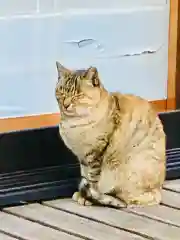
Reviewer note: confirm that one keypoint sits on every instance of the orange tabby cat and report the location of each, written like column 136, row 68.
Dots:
column 118, row 139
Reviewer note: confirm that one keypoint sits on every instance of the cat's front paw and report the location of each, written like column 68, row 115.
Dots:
column 77, row 197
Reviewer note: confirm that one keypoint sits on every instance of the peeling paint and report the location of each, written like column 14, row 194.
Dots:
column 138, row 53
column 85, row 42
column 90, row 41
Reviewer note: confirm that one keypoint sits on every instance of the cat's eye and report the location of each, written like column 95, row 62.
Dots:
column 60, row 88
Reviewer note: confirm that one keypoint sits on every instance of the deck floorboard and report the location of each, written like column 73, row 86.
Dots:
column 65, row 219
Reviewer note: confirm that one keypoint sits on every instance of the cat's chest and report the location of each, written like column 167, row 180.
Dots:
column 79, row 140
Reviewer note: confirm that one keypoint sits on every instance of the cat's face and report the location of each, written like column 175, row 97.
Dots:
column 77, row 91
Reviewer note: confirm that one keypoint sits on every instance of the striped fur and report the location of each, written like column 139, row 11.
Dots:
column 118, row 139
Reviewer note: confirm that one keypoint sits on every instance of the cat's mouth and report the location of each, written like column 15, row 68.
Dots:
column 76, row 111
column 69, row 110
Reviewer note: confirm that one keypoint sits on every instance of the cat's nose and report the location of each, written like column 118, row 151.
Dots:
column 67, row 103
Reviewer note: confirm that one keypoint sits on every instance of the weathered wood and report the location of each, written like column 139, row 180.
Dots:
column 72, row 223
column 121, row 219
column 160, row 213
column 171, row 199
column 173, row 56
column 6, row 237
column 173, row 185
column 65, row 219
column 28, row 230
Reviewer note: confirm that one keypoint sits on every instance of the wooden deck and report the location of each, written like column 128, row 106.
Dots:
column 63, row 219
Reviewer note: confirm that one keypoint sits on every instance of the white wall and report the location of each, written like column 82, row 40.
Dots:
column 34, row 34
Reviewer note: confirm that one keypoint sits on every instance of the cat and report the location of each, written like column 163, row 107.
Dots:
column 118, row 139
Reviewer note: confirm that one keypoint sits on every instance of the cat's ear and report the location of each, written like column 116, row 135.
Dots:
column 61, row 69
column 92, row 75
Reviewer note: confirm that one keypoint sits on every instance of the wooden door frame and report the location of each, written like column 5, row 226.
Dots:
column 173, row 86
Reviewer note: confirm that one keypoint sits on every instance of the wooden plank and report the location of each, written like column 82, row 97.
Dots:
column 29, row 122
column 173, row 185
column 72, row 223
column 160, row 105
column 28, row 230
column 161, row 213
column 6, row 237
column 171, row 199
column 172, row 54
column 121, row 219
